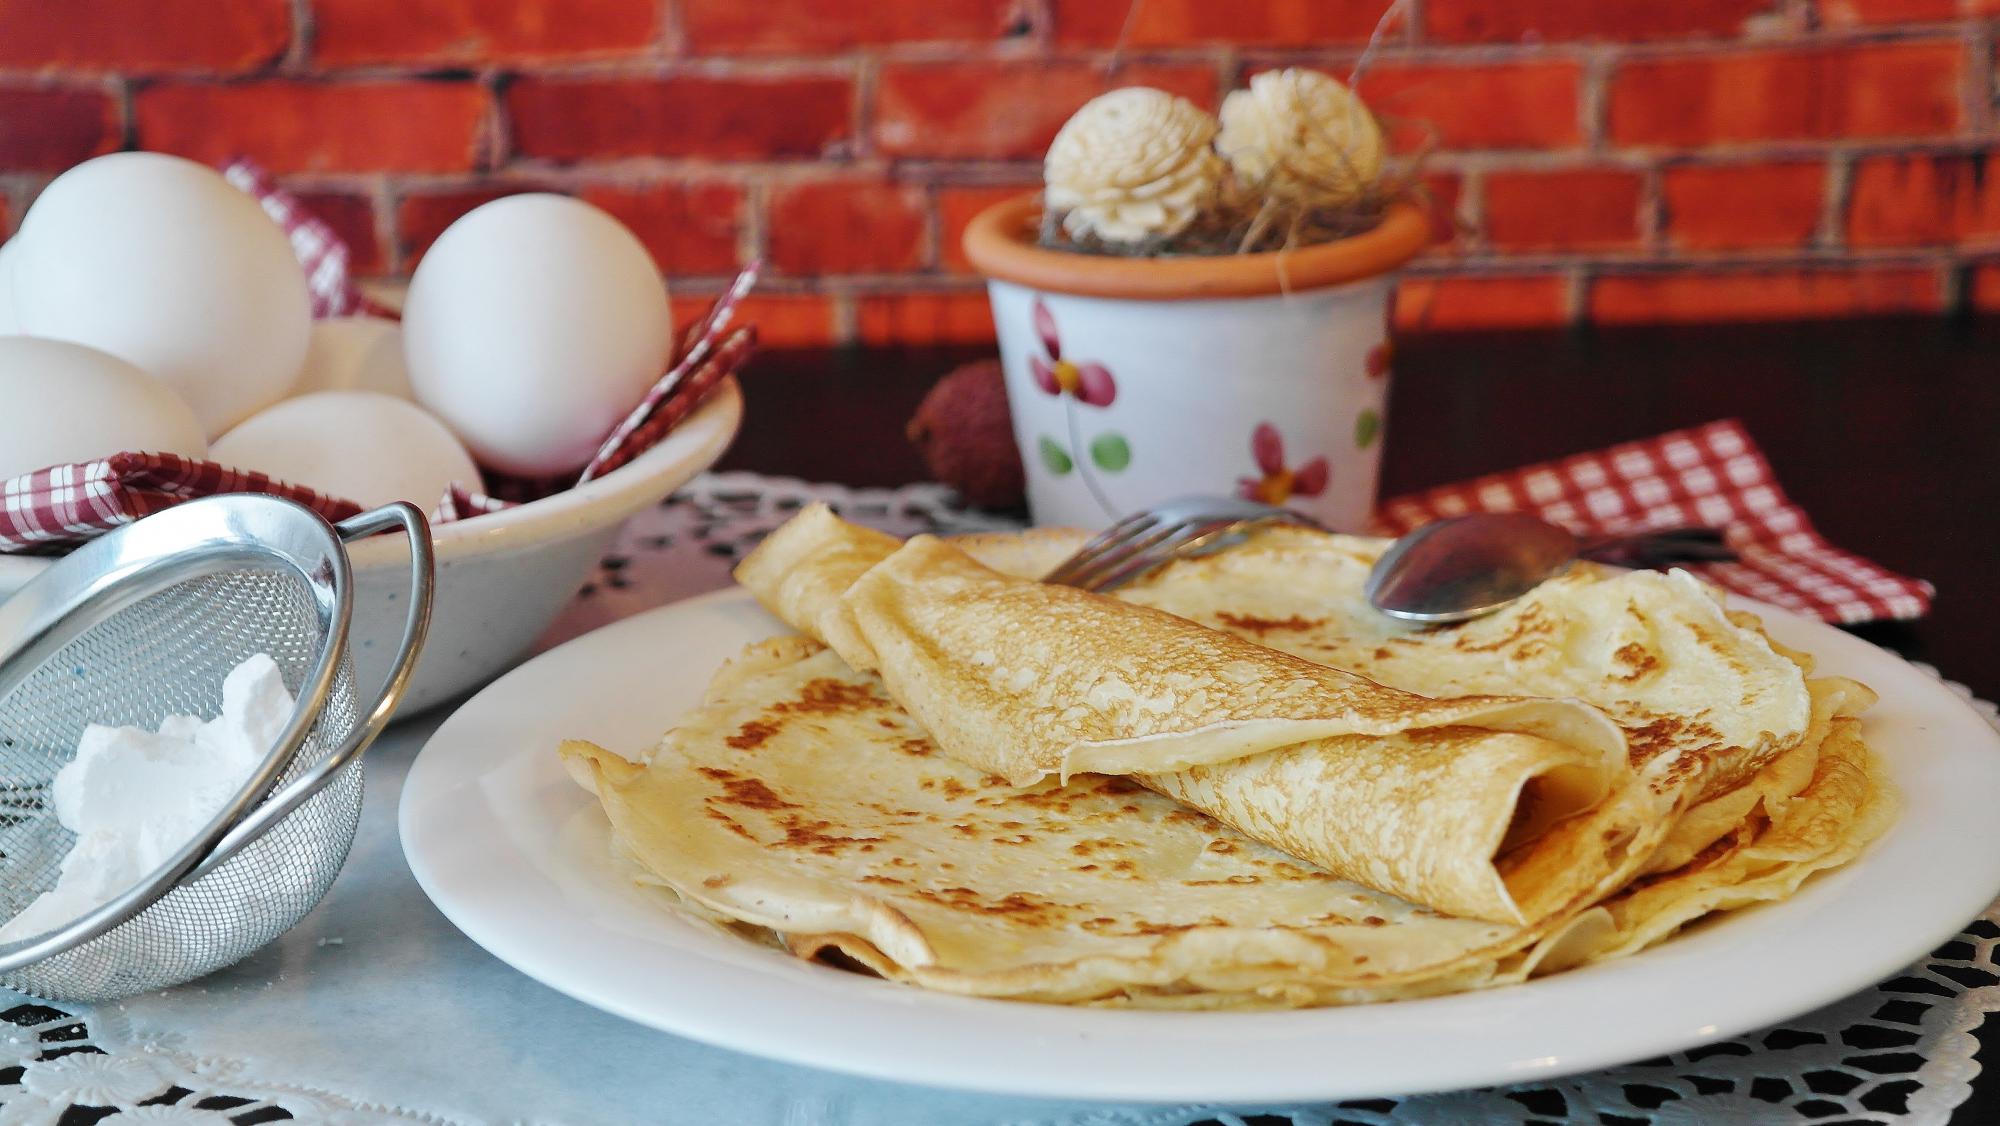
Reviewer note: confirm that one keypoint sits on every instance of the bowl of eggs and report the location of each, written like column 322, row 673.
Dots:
column 146, row 304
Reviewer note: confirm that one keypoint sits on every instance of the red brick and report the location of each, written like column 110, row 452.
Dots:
column 1440, row 196
column 1445, row 304
column 1763, row 295
column 956, row 207
column 143, row 36
column 1880, row 90
column 1243, row 23
column 1005, row 109
column 1850, row 13
column 347, row 32
column 1572, row 209
column 689, row 228
column 352, row 217
column 570, row 119
column 916, row 319
column 783, row 320
column 1985, row 287
column 1500, row 21
column 299, row 127
column 846, row 227
column 809, row 26
column 51, row 128
column 1499, row 106
column 1741, row 206
column 1923, row 200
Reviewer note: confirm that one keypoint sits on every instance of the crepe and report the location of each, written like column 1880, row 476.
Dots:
column 799, row 798
column 802, row 805
column 1414, row 796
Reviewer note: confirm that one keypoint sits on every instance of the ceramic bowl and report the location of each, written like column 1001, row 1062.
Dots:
column 504, row 577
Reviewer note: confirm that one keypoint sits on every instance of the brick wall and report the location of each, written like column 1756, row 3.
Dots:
column 1612, row 160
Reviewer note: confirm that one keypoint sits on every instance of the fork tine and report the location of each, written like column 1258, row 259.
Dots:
column 1146, row 540
column 1157, row 555
column 1099, row 543
column 1088, row 576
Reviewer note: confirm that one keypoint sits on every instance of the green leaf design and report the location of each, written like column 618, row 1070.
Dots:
column 1110, row 451
column 1367, row 428
column 1054, row 456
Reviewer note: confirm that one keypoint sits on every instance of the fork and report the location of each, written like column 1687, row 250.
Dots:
column 1154, row 537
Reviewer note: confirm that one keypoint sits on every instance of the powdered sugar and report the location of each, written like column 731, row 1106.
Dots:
column 135, row 797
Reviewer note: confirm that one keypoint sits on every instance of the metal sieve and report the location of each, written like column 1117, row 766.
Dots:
column 146, row 622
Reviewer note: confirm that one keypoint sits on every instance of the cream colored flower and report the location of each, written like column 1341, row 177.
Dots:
column 1301, row 137
column 1133, row 164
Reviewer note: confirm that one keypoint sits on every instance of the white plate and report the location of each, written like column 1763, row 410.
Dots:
column 515, row 855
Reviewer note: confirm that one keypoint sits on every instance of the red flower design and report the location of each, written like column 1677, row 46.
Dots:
column 1278, row 483
column 1086, row 382
column 1378, row 361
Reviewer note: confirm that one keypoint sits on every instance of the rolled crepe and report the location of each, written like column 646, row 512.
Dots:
column 1448, row 803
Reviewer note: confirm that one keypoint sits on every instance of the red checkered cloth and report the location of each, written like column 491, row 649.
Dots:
column 1712, row 475
column 708, row 359
column 67, row 504
column 318, row 249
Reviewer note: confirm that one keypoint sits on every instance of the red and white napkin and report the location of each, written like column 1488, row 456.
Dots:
column 64, row 505
column 1712, row 475
column 321, row 252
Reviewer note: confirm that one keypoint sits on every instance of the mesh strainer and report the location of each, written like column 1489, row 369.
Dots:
column 144, row 623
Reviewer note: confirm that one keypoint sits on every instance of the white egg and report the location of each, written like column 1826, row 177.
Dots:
column 159, row 261
column 363, row 446
column 355, row 354
column 10, row 321
column 533, row 325
column 67, row 403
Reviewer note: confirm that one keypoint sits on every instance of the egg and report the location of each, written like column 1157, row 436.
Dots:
column 355, row 354
column 68, row 403
column 363, row 446
column 533, row 325
column 161, row 262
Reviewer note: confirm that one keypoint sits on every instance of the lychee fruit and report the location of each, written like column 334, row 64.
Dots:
column 965, row 435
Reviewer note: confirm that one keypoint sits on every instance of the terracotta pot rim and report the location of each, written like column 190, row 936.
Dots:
column 1000, row 242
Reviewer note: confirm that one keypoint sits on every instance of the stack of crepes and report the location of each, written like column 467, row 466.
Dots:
column 1233, row 784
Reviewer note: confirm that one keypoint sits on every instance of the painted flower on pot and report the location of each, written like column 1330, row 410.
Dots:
column 1368, row 424
column 1090, row 384
column 1377, row 362
column 1280, row 482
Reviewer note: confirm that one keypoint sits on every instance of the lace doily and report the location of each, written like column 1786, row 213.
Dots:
column 1901, row 1051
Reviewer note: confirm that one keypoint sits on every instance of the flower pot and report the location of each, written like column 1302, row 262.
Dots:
column 1134, row 380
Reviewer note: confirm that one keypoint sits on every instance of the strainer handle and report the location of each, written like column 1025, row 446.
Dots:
column 423, row 576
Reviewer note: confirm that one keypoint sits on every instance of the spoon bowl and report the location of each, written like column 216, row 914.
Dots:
column 1467, row 566
column 1464, row 567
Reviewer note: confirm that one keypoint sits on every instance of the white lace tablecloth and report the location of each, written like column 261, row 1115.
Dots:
column 374, row 1009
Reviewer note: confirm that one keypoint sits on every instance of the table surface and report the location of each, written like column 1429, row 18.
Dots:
column 1884, row 431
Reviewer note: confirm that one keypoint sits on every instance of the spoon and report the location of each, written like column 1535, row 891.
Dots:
column 1468, row 566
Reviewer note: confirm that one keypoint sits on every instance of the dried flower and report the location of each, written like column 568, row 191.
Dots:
column 1301, row 138
column 1132, row 165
